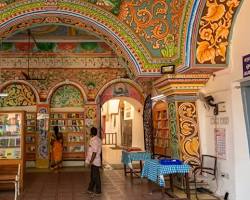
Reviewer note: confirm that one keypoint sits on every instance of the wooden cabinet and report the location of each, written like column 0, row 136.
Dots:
column 71, row 124
column 30, row 137
column 161, row 129
column 12, row 140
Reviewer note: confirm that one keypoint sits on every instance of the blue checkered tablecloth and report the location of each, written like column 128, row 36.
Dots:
column 155, row 172
column 128, row 157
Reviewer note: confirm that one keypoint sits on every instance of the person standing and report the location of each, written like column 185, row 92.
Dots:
column 57, row 149
column 94, row 160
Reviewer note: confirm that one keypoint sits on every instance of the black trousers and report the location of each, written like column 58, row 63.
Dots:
column 95, row 179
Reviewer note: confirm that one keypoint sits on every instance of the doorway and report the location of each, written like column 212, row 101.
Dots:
column 122, row 128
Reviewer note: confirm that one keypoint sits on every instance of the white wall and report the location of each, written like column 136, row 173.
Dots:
column 113, row 156
column 222, row 87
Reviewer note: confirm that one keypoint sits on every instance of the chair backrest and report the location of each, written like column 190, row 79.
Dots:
column 209, row 165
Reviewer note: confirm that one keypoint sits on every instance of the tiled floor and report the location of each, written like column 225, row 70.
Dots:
column 68, row 185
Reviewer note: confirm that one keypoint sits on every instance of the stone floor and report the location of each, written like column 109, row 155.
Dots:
column 72, row 185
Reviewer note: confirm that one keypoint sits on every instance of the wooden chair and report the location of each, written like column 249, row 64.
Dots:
column 11, row 174
column 204, row 173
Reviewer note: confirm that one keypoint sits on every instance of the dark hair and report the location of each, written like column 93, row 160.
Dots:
column 57, row 133
column 56, row 129
column 93, row 131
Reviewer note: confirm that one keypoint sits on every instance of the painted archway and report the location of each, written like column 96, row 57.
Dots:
column 141, row 29
column 83, row 15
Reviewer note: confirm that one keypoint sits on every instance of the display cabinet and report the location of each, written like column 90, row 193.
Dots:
column 161, row 130
column 11, row 139
column 30, row 136
column 71, row 124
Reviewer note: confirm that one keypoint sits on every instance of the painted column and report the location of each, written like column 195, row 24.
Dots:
column 181, row 92
column 42, row 154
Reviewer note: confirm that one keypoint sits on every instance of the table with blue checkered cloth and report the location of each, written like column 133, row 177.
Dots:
column 128, row 157
column 155, row 172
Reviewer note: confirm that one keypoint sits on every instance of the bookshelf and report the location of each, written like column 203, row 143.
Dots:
column 161, row 130
column 71, row 124
column 30, row 137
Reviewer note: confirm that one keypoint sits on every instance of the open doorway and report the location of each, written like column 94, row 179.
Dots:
column 122, row 128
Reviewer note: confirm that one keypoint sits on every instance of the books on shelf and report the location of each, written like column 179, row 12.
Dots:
column 76, row 148
column 75, row 138
column 10, row 141
column 161, row 136
column 30, row 139
column 72, row 125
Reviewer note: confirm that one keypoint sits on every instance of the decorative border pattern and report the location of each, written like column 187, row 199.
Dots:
column 148, row 125
column 91, row 80
column 189, row 138
column 173, row 130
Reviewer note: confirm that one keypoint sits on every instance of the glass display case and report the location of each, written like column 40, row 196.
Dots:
column 11, row 140
column 11, row 126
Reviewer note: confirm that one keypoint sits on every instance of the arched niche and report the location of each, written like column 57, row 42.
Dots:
column 19, row 94
column 66, row 95
column 120, row 88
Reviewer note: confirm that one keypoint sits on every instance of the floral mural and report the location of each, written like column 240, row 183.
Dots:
column 67, row 96
column 18, row 95
column 214, row 30
column 158, row 23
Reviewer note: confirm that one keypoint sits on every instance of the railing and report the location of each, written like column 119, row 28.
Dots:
column 109, row 139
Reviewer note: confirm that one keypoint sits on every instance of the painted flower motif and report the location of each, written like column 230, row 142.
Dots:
column 222, row 32
column 221, row 50
column 206, row 34
column 215, row 12
column 192, row 146
column 233, row 3
column 205, row 52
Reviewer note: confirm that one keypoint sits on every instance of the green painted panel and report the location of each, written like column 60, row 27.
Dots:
column 67, row 96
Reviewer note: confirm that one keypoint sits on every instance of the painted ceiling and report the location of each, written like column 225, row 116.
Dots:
column 194, row 35
column 54, row 39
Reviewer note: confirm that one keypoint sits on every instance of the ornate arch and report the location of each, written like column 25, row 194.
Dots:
column 20, row 93
column 61, row 84
column 80, row 14
column 140, row 97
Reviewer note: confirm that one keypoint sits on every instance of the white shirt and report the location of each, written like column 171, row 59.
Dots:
column 95, row 145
